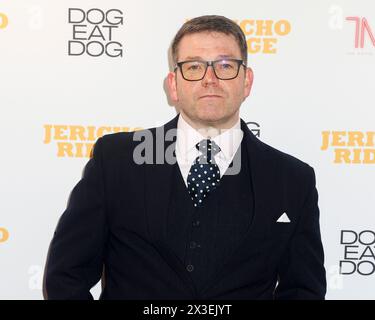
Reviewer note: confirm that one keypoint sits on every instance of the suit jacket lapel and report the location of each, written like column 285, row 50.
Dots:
column 262, row 171
column 157, row 186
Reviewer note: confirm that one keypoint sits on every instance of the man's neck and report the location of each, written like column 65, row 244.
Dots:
column 210, row 130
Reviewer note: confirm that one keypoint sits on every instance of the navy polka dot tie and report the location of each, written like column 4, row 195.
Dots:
column 204, row 174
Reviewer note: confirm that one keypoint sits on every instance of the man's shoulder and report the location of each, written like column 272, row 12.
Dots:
column 121, row 140
column 292, row 173
column 125, row 139
column 113, row 145
column 286, row 161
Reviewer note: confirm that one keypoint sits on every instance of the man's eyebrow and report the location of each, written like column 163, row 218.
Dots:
column 221, row 56
column 194, row 58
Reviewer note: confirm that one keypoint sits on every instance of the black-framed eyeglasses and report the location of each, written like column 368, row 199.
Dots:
column 224, row 69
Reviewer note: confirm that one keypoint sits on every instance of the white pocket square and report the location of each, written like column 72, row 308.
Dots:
column 283, row 218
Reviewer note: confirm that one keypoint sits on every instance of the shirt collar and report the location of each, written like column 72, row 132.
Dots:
column 188, row 137
column 229, row 140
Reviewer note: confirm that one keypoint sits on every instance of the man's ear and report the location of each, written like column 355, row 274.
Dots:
column 249, row 76
column 172, row 86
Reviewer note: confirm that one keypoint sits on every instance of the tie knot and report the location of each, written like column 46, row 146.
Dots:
column 208, row 147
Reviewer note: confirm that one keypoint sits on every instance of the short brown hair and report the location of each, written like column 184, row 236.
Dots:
column 211, row 23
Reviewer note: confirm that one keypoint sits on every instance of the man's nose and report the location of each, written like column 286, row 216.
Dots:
column 210, row 77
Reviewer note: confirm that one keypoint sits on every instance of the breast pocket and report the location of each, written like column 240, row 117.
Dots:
column 283, row 223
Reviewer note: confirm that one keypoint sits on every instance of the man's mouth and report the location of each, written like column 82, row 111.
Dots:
column 210, row 96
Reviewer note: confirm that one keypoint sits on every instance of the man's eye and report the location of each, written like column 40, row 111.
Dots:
column 194, row 67
column 226, row 66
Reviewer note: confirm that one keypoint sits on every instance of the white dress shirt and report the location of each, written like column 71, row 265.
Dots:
column 188, row 137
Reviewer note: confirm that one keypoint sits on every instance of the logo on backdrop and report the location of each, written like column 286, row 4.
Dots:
column 4, row 235
column 74, row 141
column 3, row 20
column 263, row 35
column 255, row 128
column 359, row 248
column 94, row 32
column 350, row 147
column 362, row 33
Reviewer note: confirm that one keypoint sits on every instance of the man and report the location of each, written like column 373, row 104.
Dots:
column 232, row 218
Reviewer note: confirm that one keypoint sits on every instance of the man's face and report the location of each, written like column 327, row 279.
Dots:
column 210, row 101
